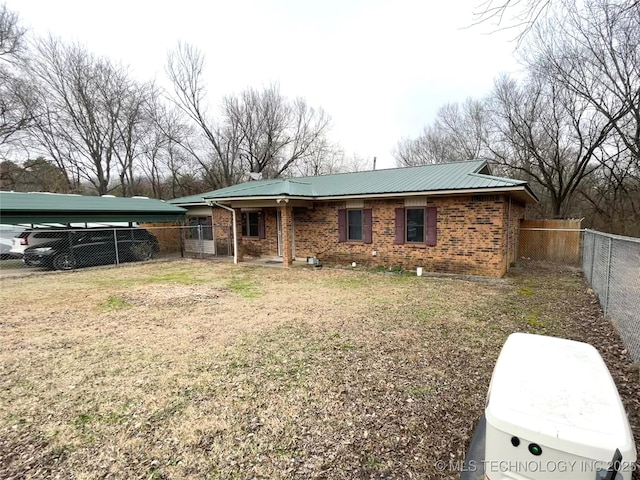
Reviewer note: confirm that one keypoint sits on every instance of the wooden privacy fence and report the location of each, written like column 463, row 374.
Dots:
column 550, row 240
column 168, row 235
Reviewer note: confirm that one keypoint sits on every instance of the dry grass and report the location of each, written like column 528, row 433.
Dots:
column 194, row 369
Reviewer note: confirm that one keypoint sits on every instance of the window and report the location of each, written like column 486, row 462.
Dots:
column 354, row 225
column 251, row 224
column 415, row 225
column 100, row 236
column 206, row 227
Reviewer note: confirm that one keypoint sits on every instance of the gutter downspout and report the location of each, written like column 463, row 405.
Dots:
column 235, row 237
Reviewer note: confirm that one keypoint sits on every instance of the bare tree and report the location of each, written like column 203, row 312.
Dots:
column 547, row 136
column 411, row 152
column 217, row 150
column 459, row 133
column 44, row 138
column 610, row 197
column 155, row 144
column 572, row 127
column 15, row 92
column 12, row 35
column 128, row 110
column 524, row 16
column 257, row 131
column 275, row 133
column 520, row 15
column 16, row 102
column 593, row 51
column 72, row 124
column 171, row 170
column 327, row 159
column 87, row 114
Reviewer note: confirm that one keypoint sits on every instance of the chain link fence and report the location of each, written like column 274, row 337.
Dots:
column 611, row 264
column 65, row 248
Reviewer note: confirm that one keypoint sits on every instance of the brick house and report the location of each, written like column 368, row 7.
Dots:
column 452, row 218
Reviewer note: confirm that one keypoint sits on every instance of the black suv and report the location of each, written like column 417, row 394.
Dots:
column 81, row 248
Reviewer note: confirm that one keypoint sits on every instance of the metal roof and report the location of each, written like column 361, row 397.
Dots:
column 18, row 207
column 423, row 179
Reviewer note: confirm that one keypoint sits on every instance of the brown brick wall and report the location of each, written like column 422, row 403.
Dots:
column 221, row 218
column 472, row 236
column 267, row 247
column 512, row 215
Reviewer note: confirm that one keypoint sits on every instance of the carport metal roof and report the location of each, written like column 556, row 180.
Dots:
column 20, row 208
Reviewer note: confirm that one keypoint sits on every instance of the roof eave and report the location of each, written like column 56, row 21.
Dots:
column 202, row 203
column 523, row 190
column 260, row 197
column 534, row 197
column 462, row 191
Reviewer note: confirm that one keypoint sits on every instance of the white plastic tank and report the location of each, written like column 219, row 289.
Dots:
column 553, row 412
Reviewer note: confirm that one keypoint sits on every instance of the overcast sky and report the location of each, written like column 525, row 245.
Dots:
column 381, row 69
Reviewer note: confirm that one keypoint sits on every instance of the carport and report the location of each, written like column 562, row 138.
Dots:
column 71, row 231
column 19, row 208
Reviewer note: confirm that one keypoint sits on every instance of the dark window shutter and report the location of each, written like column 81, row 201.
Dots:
column 342, row 225
column 261, row 230
column 432, row 226
column 399, row 240
column 367, row 221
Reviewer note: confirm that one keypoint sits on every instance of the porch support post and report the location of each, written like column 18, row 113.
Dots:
column 285, row 217
column 237, row 231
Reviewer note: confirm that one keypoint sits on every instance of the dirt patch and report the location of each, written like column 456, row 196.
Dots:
column 172, row 295
column 199, row 370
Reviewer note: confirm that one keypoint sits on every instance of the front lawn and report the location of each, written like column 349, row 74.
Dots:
column 195, row 369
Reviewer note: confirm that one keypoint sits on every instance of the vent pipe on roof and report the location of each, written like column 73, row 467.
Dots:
column 374, row 163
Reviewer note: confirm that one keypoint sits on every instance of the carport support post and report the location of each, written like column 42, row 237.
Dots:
column 285, row 216
column 115, row 240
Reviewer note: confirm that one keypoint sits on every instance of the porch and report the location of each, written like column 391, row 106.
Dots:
column 266, row 235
